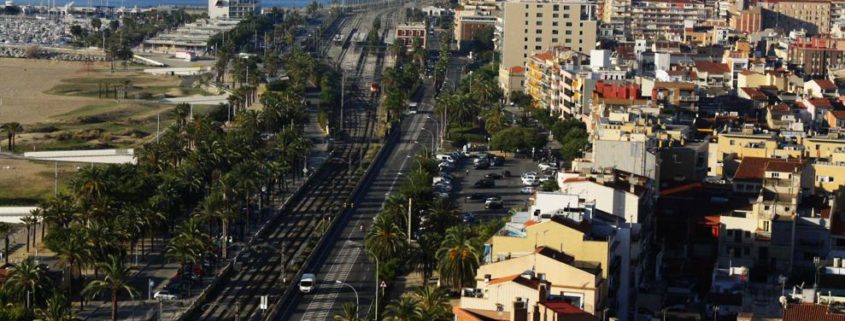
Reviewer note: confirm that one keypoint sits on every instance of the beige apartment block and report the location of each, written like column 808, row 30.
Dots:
column 526, row 26
column 810, row 15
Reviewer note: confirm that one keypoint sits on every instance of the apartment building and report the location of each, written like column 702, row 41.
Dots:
column 468, row 23
column 786, row 15
column 525, row 27
column 407, row 33
column 815, row 58
column 616, row 14
column 666, row 19
column 232, row 9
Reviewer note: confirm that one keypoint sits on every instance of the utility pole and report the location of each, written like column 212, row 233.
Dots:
column 55, row 180
column 158, row 125
column 342, row 92
column 410, row 203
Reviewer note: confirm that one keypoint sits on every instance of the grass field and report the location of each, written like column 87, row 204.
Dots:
column 24, row 182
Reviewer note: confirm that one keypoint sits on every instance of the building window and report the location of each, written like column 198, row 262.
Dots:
column 539, row 15
column 554, row 32
column 538, row 48
column 766, row 226
column 539, row 23
column 539, row 31
column 565, row 15
column 568, row 32
column 555, row 15
column 565, row 7
column 569, row 24
column 554, row 23
column 556, row 7
column 538, row 39
column 554, row 40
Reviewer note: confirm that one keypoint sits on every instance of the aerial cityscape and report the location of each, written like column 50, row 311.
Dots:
column 422, row 160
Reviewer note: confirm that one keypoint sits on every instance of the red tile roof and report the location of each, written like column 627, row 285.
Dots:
column 567, row 311
column 754, row 168
column 517, row 69
column 518, row 279
column 810, row 312
column 825, row 84
column 711, row 67
column 820, row 102
column 838, row 114
column 545, row 55
column 529, row 223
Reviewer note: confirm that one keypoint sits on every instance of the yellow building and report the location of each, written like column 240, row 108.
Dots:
column 574, row 280
column 824, row 146
column 559, row 233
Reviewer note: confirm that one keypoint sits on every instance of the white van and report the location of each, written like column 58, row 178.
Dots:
column 307, row 282
column 445, row 157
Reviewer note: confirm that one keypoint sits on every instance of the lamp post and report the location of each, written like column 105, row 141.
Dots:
column 353, row 291
column 375, row 257
column 433, row 138
column 438, row 129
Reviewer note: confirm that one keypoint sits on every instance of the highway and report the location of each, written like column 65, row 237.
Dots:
column 268, row 266
column 347, row 260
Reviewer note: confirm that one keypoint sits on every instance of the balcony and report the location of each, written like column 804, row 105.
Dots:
column 688, row 98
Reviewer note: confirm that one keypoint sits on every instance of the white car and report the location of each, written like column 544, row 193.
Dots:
column 547, row 167
column 307, row 282
column 527, row 190
column 164, row 295
column 529, row 175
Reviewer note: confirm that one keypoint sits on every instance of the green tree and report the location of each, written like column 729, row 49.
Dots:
column 72, row 252
column 432, row 303
column 96, row 23
column 402, row 309
column 57, row 308
column 495, row 120
column 12, row 130
column 115, row 281
column 514, row 138
column 349, row 313
column 28, row 279
column 384, row 238
column 549, row 186
column 458, row 258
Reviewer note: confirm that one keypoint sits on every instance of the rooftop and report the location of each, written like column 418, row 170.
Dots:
column 810, row 312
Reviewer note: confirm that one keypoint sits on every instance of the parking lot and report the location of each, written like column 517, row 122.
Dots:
column 508, row 188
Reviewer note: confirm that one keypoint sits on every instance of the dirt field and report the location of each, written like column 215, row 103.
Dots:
column 22, row 86
column 38, row 178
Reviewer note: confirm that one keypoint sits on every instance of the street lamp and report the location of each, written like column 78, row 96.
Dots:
column 353, row 291
column 375, row 257
column 438, row 128
column 433, row 138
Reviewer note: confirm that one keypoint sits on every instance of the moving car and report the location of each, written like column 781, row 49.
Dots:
column 468, row 218
column 165, row 295
column 307, row 282
column 493, row 202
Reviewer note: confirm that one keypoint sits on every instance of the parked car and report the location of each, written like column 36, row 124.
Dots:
column 468, row 218
column 482, row 165
column 493, row 202
column 493, row 175
column 485, row 183
column 547, row 166
column 527, row 190
column 475, row 197
column 307, row 282
column 165, row 295
column 497, row 161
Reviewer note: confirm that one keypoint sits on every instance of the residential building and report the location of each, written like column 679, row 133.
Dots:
column 788, row 15
column 529, row 26
column 814, row 58
column 407, row 33
column 712, row 74
column 468, row 23
column 655, row 19
column 820, row 88
column 232, row 9
column 749, row 20
column 616, row 14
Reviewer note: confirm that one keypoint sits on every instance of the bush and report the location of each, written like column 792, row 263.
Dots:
column 514, row 138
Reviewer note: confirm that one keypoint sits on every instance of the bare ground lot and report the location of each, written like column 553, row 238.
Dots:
column 23, row 182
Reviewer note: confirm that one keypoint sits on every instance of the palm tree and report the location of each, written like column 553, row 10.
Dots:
column 183, row 111
column 12, row 130
column 59, row 211
column 29, row 222
column 115, row 280
column 384, row 238
column 432, row 303
column 457, row 257
column 350, row 313
column 57, row 308
column 5, row 229
column 28, row 279
column 72, row 251
column 403, row 309
column 494, row 120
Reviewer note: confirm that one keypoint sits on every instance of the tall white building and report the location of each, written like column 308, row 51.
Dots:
column 232, row 9
column 525, row 27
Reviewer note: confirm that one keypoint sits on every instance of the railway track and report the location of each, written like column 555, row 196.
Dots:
column 268, row 265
